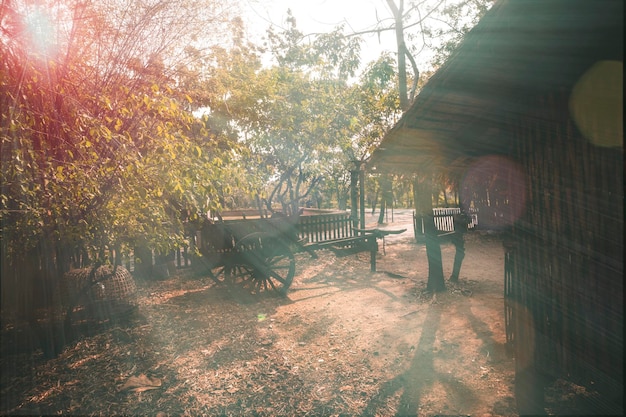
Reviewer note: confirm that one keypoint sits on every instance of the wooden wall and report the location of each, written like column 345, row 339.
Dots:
column 565, row 269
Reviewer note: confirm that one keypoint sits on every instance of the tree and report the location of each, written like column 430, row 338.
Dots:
column 429, row 27
column 298, row 115
column 91, row 114
column 403, row 52
column 375, row 99
column 454, row 20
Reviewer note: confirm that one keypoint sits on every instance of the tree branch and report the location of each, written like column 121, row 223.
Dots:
column 416, row 75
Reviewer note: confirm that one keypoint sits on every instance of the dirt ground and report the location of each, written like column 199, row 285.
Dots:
column 345, row 341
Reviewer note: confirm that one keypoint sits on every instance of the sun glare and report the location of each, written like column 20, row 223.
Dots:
column 40, row 33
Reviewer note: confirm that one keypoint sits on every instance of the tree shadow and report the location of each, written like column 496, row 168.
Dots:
column 482, row 332
column 420, row 375
column 364, row 280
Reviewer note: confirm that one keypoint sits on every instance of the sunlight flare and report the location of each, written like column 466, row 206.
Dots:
column 40, row 32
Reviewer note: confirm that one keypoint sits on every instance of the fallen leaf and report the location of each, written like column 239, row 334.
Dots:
column 140, row 383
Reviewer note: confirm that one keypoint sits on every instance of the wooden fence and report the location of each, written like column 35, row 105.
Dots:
column 313, row 228
column 323, row 227
column 444, row 220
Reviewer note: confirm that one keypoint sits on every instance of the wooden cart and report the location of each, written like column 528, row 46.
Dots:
column 255, row 253
column 258, row 254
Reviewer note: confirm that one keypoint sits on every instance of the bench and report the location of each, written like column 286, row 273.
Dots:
column 336, row 231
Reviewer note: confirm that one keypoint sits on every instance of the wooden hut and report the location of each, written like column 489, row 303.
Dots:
column 536, row 90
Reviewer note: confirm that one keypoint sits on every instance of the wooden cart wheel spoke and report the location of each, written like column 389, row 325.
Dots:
column 243, row 273
column 256, row 285
column 269, row 263
column 280, row 272
column 277, row 277
column 220, row 274
column 271, row 284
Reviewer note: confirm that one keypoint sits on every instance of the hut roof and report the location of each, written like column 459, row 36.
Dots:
column 519, row 48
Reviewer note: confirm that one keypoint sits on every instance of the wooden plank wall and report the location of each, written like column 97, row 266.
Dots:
column 565, row 275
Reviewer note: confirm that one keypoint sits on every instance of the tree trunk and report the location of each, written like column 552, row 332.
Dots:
column 461, row 222
column 422, row 203
column 383, row 208
column 386, row 197
column 459, row 243
column 424, row 210
column 397, row 12
column 354, row 197
column 374, row 201
column 436, row 282
column 259, row 206
column 362, row 197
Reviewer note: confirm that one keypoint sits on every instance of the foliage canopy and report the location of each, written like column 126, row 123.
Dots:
column 122, row 121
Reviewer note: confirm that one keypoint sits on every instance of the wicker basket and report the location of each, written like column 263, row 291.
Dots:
column 110, row 296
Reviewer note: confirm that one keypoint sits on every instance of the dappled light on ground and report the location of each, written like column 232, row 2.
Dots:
column 344, row 341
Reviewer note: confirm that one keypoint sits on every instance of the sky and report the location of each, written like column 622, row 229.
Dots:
column 322, row 16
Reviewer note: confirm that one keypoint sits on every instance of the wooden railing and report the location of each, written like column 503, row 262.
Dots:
column 323, row 227
column 444, row 220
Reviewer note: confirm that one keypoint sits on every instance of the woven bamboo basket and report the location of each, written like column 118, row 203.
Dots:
column 104, row 296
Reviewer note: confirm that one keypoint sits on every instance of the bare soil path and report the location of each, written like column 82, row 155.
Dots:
column 345, row 341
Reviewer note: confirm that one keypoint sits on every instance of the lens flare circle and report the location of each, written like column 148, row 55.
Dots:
column 597, row 104
column 497, row 186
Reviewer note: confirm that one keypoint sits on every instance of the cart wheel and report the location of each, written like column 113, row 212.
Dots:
column 220, row 274
column 213, row 266
column 262, row 263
